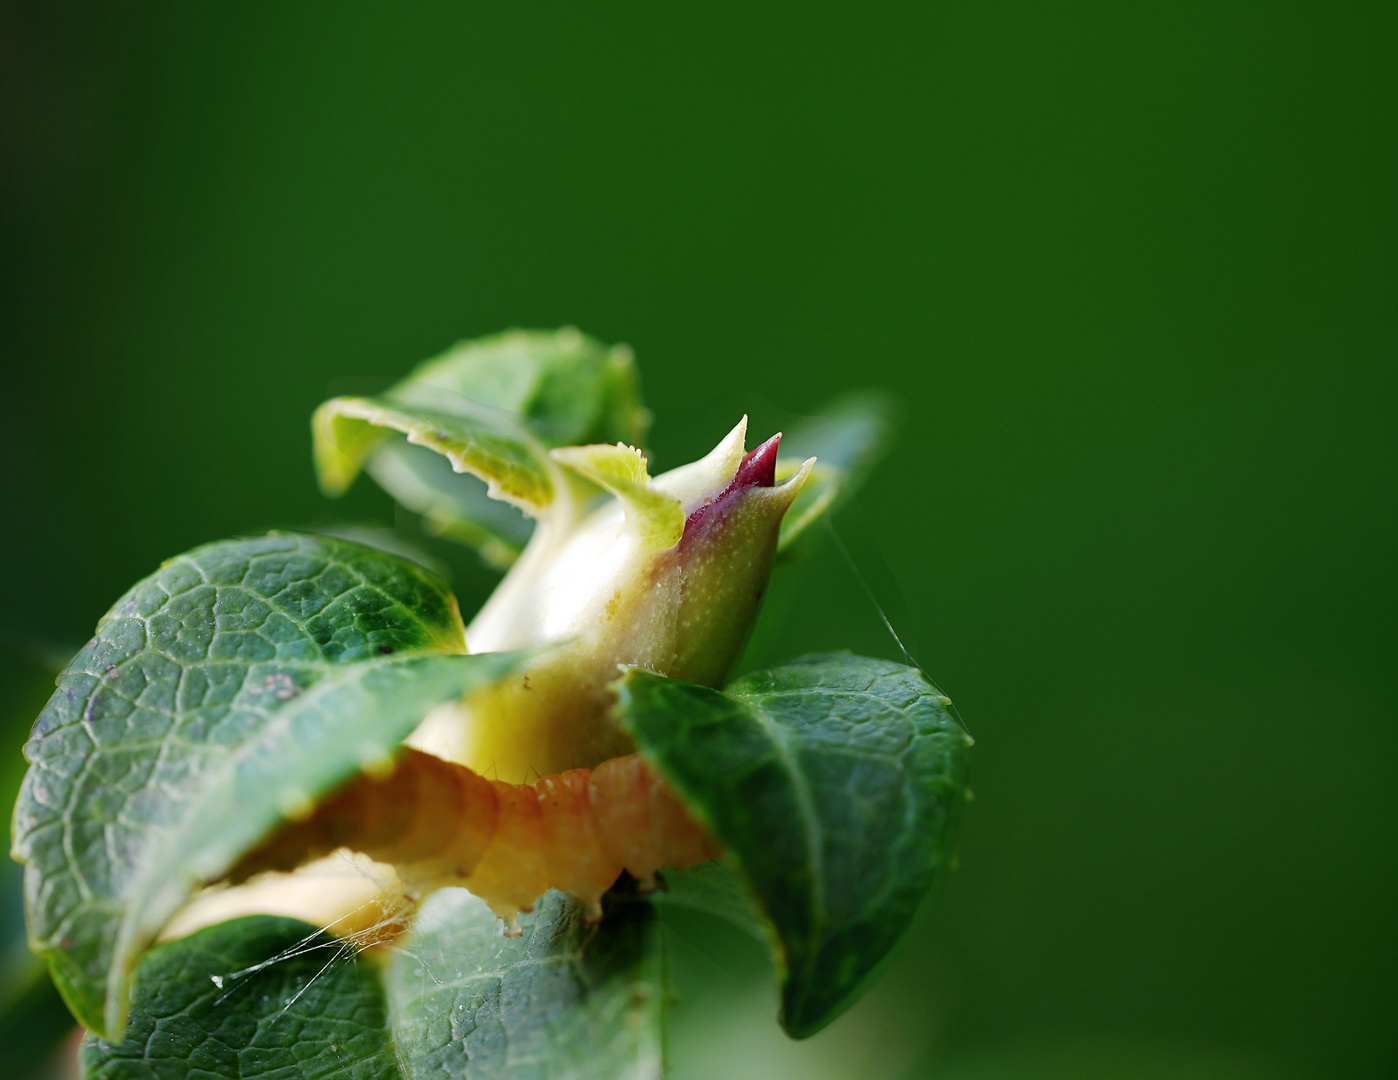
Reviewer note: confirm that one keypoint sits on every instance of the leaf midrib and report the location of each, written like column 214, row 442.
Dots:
column 814, row 834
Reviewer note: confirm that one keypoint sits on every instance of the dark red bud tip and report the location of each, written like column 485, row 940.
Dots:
column 759, row 467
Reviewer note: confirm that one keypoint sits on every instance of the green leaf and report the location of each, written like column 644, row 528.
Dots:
column 714, row 888
column 33, row 1017
column 227, row 691
column 385, row 538
column 569, row 999
column 835, row 782
column 211, row 1005
column 452, row 505
column 265, row 997
column 476, row 440
column 847, row 440
column 491, row 408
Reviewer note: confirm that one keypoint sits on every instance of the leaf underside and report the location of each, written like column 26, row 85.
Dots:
column 836, row 783
column 716, row 888
column 490, row 408
column 451, row 505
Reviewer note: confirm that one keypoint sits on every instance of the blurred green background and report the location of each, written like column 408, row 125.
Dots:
column 1131, row 270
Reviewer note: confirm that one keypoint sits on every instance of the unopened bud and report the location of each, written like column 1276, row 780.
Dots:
column 668, row 576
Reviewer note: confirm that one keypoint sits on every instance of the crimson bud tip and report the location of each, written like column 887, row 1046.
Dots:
column 759, row 467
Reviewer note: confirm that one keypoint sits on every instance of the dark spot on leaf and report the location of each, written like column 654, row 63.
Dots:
column 385, row 649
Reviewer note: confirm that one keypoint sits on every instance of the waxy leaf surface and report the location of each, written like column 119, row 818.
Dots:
column 835, row 782
column 567, row 1001
column 259, row 998
column 266, row 998
column 231, row 689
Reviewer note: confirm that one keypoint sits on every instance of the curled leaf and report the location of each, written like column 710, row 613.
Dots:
column 835, row 782
column 491, row 409
column 230, row 689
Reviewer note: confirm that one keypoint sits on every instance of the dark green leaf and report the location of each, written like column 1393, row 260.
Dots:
column 33, row 1017
column 234, row 687
column 266, row 998
column 714, row 888
column 260, row 998
column 566, row 1000
column 836, row 782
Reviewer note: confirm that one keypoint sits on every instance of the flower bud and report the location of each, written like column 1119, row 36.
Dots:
column 668, row 576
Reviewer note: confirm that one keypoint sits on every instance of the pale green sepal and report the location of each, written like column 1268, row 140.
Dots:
column 699, row 481
column 657, row 519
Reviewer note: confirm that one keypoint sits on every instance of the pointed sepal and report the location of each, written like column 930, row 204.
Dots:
column 656, row 518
